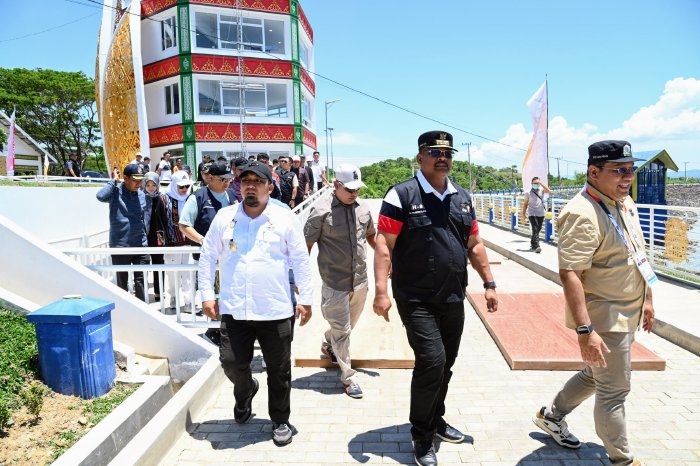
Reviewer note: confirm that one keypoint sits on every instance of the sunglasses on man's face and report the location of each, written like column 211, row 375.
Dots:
column 622, row 170
column 435, row 153
column 350, row 191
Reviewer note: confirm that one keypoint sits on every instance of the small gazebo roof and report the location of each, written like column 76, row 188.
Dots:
column 661, row 155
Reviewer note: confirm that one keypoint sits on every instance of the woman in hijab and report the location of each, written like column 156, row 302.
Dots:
column 179, row 189
column 160, row 232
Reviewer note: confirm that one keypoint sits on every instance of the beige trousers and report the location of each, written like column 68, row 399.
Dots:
column 341, row 309
column 610, row 386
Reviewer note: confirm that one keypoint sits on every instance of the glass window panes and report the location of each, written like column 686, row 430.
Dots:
column 209, row 97
column 231, row 101
column 206, row 30
column 277, row 100
column 172, row 99
column 304, row 55
column 168, row 34
column 274, row 36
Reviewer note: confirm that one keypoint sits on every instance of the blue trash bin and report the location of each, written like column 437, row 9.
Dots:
column 74, row 338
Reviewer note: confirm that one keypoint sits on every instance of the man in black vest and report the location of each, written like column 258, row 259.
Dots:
column 289, row 183
column 201, row 208
column 427, row 230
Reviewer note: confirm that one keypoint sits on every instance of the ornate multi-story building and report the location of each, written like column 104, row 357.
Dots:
column 197, row 77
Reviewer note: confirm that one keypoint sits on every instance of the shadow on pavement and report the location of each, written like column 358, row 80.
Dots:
column 590, row 453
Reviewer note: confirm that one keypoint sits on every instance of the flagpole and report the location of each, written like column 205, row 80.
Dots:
column 546, row 92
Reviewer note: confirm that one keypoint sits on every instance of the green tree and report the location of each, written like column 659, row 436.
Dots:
column 57, row 108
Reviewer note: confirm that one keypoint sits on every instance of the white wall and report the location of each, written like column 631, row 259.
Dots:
column 151, row 43
column 55, row 213
column 155, row 104
column 36, row 271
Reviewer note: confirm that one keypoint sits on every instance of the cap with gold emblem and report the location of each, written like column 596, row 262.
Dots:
column 435, row 140
column 610, row 151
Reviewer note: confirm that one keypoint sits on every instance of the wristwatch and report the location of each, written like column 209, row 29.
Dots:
column 491, row 285
column 584, row 330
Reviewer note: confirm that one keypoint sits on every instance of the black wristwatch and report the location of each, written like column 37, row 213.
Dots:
column 584, row 330
column 491, row 285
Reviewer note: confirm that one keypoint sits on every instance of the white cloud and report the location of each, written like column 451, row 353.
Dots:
column 671, row 123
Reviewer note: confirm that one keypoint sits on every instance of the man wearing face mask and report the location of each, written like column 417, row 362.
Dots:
column 427, row 231
column 534, row 207
column 606, row 278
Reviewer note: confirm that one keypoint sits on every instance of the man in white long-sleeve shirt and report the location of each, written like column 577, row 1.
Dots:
column 256, row 242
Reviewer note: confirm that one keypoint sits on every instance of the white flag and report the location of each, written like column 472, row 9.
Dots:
column 536, row 163
column 10, row 159
column 46, row 164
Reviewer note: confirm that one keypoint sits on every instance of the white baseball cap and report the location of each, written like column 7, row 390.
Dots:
column 349, row 176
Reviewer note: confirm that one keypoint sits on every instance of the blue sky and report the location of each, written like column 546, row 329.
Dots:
column 617, row 69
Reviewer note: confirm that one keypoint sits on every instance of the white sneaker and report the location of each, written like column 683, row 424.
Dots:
column 559, row 430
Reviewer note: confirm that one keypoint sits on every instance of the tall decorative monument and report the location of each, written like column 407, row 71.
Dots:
column 205, row 77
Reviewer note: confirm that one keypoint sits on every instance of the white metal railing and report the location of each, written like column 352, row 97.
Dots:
column 55, row 179
column 96, row 255
column 672, row 233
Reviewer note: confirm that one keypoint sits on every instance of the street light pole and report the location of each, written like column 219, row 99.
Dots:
column 328, row 104
column 330, row 130
column 512, row 172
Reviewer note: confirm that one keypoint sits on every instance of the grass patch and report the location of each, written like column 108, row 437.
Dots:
column 18, row 357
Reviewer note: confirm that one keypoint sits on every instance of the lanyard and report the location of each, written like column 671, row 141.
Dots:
column 615, row 224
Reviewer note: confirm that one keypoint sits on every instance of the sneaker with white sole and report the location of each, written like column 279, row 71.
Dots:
column 559, row 430
column 353, row 390
column 281, row 434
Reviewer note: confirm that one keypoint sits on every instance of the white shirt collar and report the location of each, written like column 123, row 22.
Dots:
column 428, row 188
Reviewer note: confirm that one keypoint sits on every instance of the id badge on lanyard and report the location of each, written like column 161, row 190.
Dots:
column 640, row 258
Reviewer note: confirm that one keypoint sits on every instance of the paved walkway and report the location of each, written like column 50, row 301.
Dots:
column 487, row 400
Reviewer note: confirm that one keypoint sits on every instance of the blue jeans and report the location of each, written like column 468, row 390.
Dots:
column 434, row 332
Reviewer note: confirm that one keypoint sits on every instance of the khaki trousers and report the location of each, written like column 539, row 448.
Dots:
column 341, row 309
column 610, row 386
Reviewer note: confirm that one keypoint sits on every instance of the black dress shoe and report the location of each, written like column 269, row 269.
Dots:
column 424, row 453
column 244, row 413
column 448, row 433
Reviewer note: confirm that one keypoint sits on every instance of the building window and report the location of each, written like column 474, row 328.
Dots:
column 172, row 99
column 221, row 32
column 305, row 111
column 259, row 99
column 304, row 56
column 168, row 33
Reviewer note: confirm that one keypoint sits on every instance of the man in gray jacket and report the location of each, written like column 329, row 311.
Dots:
column 129, row 218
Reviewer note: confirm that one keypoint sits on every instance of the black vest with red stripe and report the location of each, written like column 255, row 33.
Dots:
column 429, row 260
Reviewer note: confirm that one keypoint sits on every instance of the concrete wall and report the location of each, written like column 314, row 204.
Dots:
column 56, row 214
column 33, row 269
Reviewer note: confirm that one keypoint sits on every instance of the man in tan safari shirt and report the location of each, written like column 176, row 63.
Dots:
column 606, row 278
column 342, row 226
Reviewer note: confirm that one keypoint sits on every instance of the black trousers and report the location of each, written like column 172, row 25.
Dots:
column 236, row 353
column 536, row 225
column 434, row 332
column 123, row 277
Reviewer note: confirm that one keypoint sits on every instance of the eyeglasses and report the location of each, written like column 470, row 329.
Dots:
column 622, row 170
column 284, row 161
column 223, row 180
column 435, row 153
column 257, row 181
column 182, row 187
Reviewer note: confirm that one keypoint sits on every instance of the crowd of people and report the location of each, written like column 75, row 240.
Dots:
column 427, row 232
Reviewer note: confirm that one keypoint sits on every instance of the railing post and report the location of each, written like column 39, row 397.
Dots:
column 548, row 230
column 491, row 213
column 513, row 218
column 652, row 228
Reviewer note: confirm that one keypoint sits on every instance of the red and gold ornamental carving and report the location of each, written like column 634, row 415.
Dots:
column 161, row 69
column 308, row 82
column 217, row 64
column 165, row 136
column 151, row 7
column 309, row 138
column 217, row 132
column 305, row 24
column 274, row 6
